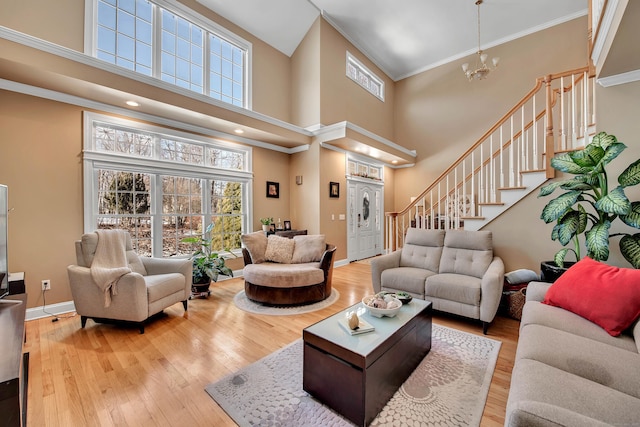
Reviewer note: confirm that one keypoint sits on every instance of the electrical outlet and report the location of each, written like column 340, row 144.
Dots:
column 46, row 285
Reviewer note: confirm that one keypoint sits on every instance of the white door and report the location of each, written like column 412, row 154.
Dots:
column 365, row 220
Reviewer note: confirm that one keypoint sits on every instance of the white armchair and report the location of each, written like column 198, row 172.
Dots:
column 153, row 285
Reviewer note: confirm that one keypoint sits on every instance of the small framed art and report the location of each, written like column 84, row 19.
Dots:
column 273, row 189
column 287, row 225
column 334, row 189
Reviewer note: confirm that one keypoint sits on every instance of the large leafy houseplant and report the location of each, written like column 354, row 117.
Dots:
column 588, row 206
column 207, row 263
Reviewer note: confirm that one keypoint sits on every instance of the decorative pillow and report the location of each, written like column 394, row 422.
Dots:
column 308, row 248
column 279, row 249
column 256, row 244
column 606, row 295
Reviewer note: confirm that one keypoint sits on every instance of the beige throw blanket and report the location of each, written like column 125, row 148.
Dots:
column 110, row 262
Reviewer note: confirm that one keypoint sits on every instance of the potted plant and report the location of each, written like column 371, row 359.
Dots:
column 266, row 222
column 588, row 206
column 207, row 264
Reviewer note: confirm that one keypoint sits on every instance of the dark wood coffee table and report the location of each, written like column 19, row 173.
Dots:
column 356, row 375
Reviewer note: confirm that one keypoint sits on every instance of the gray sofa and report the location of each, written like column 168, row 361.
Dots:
column 454, row 269
column 570, row 371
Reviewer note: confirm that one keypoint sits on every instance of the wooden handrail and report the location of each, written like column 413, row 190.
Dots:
column 496, row 126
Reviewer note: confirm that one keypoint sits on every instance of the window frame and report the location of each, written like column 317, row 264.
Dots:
column 210, row 27
column 94, row 160
column 361, row 68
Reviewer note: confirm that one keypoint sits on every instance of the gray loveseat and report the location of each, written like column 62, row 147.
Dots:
column 455, row 269
column 570, row 371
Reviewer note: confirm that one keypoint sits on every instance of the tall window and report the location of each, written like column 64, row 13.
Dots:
column 164, row 185
column 169, row 42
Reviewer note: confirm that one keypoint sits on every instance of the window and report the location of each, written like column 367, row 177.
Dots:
column 163, row 185
column 360, row 74
column 171, row 43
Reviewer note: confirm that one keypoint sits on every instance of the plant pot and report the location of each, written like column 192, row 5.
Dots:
column 550, row 272
column 199, row 288
column 265, row 227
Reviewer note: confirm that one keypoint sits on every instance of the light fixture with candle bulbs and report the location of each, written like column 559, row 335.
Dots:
column 481, row 70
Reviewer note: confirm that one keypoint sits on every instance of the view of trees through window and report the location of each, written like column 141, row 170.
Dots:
column 183, row 186
column 133, row 33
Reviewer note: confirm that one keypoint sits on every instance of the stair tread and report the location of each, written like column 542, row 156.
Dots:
column 512, row 188
column 491, row 204
column 472, row 217
column 533, row 171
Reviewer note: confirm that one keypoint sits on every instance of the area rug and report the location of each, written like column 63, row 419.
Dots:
column 448, row 388
column 243, row 303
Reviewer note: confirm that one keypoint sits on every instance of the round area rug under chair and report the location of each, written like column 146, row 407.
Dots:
column 243, row 303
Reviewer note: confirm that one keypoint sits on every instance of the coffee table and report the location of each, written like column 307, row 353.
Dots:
column 356, row 375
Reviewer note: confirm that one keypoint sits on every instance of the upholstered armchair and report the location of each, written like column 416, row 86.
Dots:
column 152, row 285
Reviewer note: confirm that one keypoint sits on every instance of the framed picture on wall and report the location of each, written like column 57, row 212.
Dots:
column 334, row 189
column 273, row 189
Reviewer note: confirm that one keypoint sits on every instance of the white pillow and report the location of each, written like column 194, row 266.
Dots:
column 279, row 249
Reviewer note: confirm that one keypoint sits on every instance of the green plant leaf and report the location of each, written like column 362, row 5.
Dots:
column 560, row 256
column 597, row 241
column 583, row 217
column 550, row 188
column 604, row 140
column 615, row 202
column 631, row 175
column 630, row 249
column 632, row 219
column 554, row 232
column 557, row 207
column 576, row 184
column 612, row 152
column 569, row 225
column 588, row 157
column 564, row 163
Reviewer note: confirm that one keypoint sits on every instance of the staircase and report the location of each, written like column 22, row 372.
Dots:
column 508, row 162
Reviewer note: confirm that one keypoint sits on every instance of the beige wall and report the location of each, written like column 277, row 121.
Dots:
column 343, row 99
column 333, row 170
column 305, row 79
column 41, row 164
column 305, row 198
column 440, row 114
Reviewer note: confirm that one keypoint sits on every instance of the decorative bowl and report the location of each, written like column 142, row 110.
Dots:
column 389, row 299
column 404, row 297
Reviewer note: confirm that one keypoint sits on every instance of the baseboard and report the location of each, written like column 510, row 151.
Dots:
column 50, row 310
column 54, row 310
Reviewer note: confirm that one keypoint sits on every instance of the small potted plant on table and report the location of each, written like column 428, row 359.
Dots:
column 207, row 263
column 266, row 223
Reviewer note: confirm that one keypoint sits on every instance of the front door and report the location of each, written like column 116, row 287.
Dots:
column 365, row 220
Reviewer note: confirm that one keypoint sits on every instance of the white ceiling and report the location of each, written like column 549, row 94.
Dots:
column 402, row 37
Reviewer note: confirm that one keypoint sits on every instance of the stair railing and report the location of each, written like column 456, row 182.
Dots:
column 523, row 140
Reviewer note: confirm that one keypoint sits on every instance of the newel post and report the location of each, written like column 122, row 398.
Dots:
column 549, row 145
column 392, row 224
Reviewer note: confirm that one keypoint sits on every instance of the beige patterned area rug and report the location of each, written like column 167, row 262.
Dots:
column 243, row 303
column 448, row 388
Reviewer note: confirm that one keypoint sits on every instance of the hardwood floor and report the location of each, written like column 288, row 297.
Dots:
column 108, row 375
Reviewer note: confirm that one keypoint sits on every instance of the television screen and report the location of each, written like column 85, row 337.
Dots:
column 4, row 260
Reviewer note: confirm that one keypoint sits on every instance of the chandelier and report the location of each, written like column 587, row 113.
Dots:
column 481, row 70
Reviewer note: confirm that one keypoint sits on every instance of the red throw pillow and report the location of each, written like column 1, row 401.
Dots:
column 606, row 295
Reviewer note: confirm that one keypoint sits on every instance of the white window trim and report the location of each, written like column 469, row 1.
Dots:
column 363, row 68
column 91, row 21
column 94, row 160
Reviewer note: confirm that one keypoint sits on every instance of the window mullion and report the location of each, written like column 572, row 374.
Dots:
column 207, row 64
column 157, row 42
column 156, row 215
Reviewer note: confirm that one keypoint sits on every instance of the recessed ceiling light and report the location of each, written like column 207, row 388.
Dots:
column 239, row 131
column 132, row 104
column 395, row 162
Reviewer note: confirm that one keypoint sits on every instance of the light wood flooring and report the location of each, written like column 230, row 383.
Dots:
column 108, row 375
